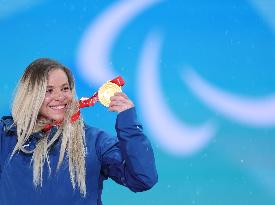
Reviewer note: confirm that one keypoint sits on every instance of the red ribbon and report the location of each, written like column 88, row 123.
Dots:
column 86, row 102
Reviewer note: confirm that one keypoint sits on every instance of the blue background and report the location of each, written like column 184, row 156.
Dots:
column 230, row 44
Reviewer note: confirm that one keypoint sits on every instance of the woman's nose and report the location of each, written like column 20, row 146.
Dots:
column 59, row 96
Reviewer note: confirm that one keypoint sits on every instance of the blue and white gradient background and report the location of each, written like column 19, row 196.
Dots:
column 201, row 73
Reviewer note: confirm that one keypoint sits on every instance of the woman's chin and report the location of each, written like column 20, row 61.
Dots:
column 57, row 118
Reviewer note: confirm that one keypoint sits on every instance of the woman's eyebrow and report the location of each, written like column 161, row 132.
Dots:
column 51, row 86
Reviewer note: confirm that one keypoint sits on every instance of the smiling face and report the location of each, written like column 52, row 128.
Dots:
column 58, row 96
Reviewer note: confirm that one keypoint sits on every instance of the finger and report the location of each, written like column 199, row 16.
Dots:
column 114, row 103
column 119, row 102
column 113, row 109
column 118, row 98
column 117, row 108
column 121, row 94
column 120, row 106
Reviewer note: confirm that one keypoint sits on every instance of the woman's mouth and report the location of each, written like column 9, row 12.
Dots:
column 58, row 107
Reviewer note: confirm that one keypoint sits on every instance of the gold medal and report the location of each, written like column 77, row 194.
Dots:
column 106, row 91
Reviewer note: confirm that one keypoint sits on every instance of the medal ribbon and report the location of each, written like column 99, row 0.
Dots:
column 86, row 102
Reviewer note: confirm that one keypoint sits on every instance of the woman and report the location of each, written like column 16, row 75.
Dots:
column 67, row 163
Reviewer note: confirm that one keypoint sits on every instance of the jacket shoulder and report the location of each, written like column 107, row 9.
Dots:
column 7, row 137
column 7, row 126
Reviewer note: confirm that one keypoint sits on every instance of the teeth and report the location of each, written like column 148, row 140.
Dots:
column 58, row 107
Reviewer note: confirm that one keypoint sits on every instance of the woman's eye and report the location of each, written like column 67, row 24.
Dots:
column 49, row 90
column 65, row 88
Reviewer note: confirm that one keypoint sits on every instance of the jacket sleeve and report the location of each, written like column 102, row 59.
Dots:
column 128, row 159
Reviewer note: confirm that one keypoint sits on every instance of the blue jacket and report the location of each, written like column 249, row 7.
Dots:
column 127, row 159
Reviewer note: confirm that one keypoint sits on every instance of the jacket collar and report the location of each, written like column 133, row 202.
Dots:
column 10, row 127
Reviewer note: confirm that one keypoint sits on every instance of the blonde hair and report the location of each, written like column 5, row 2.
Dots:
column 27, row 101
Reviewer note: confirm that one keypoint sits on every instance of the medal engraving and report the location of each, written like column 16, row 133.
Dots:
column 106, row 91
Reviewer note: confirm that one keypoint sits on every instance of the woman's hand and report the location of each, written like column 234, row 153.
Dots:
column 120, row 102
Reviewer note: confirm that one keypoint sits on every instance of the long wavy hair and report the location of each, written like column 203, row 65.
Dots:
column 28, row 99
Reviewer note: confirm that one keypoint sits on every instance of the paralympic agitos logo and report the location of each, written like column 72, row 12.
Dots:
column 173, row 135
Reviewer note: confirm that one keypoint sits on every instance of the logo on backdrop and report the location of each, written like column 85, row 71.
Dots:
column 172, row 135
